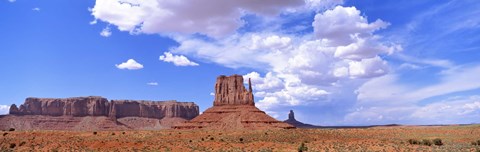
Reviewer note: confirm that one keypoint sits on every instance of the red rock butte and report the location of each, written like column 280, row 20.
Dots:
column 96, row 113
column 233, row 108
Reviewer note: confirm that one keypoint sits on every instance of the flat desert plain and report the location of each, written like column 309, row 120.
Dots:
column 454, row 138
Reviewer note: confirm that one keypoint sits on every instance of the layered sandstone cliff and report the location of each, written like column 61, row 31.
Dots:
column 98, row 106
column 233, row 108
column 231, row 91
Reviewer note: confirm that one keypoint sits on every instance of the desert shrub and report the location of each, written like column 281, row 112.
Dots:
column 113, row 134
column 203, row 139
column 4, row 134
column 190, row 141
column 241, row 139
column 13, row 145
column 302, row 147
column 476, row 143
column 427, row 142
column 95, row 133
column 211, row 138
column 22, row 143
column 437, row 141
column 414, row 141
column 11, row 129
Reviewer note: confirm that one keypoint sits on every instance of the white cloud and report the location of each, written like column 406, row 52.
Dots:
column 178, row 60
column 451, row 81
column 152, row 83
column 367, row 68
column 409, row 66
column 269, row 82
column 319, row 5
column 426, row 61
column 4, row 109
column 106, row 32
column 131, row 64
column 12, row 1
column 300, row 69
column 215, row 18
column 36, row 9
column 460, row 109
column 343, row 25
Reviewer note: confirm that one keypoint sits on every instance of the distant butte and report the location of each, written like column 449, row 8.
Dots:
column 292, row 121
column 233, row 108
column 96, row 113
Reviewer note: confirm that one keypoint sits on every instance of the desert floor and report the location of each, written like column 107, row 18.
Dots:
column 454, row 138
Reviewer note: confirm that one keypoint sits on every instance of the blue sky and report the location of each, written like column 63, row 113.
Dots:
column 334, row 62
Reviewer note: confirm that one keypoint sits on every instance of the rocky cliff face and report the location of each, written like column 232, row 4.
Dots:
column 98, row 106
column 152, row 109
column 231, row 91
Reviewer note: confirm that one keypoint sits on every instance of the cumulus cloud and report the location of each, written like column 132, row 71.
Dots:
column 367, row 68
column 342, row 25
column 4, row 109
column 300, row 69
column 178, row 60
column 106, row 32
column 12, row 1
column 36, row 9
column 131, row 64
column 214, row 18
column 152, row 83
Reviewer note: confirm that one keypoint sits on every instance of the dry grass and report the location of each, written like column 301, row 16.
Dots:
column 454, row 138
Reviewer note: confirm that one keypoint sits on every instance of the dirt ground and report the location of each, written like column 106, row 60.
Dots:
column 454, row 138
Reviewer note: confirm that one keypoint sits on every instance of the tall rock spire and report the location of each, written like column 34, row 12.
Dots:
column 291, row 115
column 249, row 85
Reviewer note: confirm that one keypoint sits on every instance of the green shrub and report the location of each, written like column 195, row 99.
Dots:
column 427, row 142
column 437, row 141
column 414, row 141
column 13, row 145
column 302, row 147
